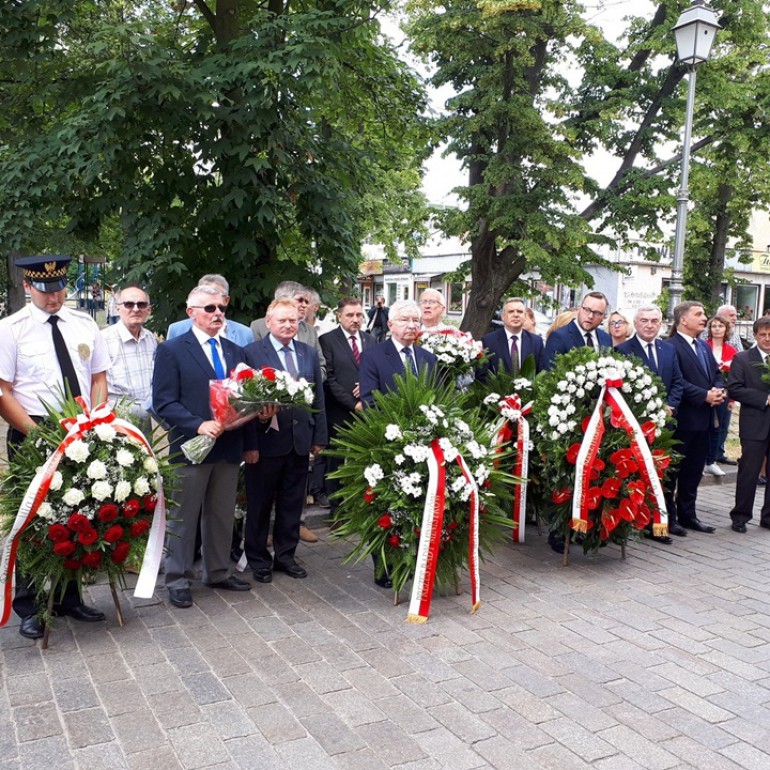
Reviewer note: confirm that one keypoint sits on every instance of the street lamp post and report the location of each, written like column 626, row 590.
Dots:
column 694, row 31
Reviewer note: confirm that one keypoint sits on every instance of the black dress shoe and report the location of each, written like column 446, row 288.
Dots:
column 665, row 539
column 677, row 529
column 84, row 613
column 292, row 569
column 738, row 528
column 263, row 575
column 556, row 542
column 231, row 583
column 726, row 461
column 762, row 481
column 698, row 526
column 31, row 628
column 383, row 582
column 180, row 597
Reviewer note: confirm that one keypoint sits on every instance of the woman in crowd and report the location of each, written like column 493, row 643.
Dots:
column 618, row 328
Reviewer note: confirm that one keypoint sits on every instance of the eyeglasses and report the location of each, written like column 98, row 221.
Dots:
column 429, row 302
column 131, row 305
column 302, row 300
column 593, row 313
column 407, row 321
column 210, row 308
column 617, row 323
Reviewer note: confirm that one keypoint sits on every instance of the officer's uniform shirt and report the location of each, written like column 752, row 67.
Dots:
column 28, row 358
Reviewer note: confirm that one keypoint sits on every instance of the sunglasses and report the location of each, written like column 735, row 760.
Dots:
column 210, row 308
column 131, row 305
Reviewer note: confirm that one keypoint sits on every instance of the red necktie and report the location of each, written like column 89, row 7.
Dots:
column 356, row 351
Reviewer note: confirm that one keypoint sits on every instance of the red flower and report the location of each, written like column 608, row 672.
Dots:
column 648, row 429
column 394, row 540
column 131, row 508
column 58, row 533
column 120, row 552
column 627, row 509
column 92, row 559
column 598, row 464
column 584, row 424
column 572, row 453
column 611, row 487
column 150, row 502
column 88, row 536
column 72, row 564
column 268, row 373
column 621, row 456
column 385, row 521
column 244, row 374
column 662, row 460
column 108, row 512
column 369, row 495
column 139, row 527
column 77, row 522
column 113, row 534
column 65, row 548
column 594, row 497
column 562, row 495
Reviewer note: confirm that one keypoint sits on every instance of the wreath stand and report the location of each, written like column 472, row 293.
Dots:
column 565, row 555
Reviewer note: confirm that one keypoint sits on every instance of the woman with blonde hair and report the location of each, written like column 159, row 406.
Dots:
column 618, row 328
column 562, row 319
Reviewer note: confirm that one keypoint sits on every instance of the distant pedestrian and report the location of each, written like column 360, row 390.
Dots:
column 378, row 316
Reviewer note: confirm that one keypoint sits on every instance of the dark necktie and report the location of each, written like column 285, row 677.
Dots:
column 290, row 367
column 216, row 360
column 589, row 340
column 701, row 358
column 356, row 351
column 63, row 356
column 409, row 356
column 651, row 356
column 514, row 355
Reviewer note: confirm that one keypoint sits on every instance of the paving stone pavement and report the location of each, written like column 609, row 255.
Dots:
column 661, row 660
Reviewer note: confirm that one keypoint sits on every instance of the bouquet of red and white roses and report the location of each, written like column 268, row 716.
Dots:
column 455, row 350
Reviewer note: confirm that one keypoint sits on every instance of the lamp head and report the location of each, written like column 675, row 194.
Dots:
column 695, row 31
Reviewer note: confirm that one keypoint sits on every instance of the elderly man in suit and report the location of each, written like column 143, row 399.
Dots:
column 745, row 385
column 583, row 331
column 180, row 395
column 660, row 358
column 342, row 349
column 702, row 392
column 278, row 478
column 511, row 345
column 381, row 363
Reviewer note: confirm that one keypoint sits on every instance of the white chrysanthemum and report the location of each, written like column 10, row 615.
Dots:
column 626, row 387
column 56, row 481
column 96, row 470
column 393, row 432
column 492, row 399
column 579, row 393
column 124, row 457
column 463, row 428
column 562, row 427
column 450, row 450
column 142, row 486
column 101, row 490
column 373, row 474
column 150, row 465
column 476, row 450
column 73, row 497
column 77, row 451
column 45, row 511
column 105, row 432
column 553, row 420
column 122, row 490
column 481, row 474
column 399, row 459
column 417, row 452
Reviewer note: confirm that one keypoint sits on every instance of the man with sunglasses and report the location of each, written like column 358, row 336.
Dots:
column 132, row 354
column 584, row 331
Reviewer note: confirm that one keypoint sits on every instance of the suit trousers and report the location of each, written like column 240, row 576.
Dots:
column 207, row 490
column 753, row 454
column 280, row 481
column 693, row 447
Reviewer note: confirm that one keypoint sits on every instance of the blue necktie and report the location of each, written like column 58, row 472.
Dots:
column 701, row 358
column 290, row 367
column 651, row 356
column 216, row 360
column 409, row 356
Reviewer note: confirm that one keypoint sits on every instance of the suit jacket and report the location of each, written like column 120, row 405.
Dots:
column 496, row 343
column 298, row 429
column 383, row 319
column 235, row 332
column 745, row 386
column 694, row 413
column 381, row 363
column 568, row 337
column 342, row 374
column 305, row 333
column 667, row 368
column 180, row 395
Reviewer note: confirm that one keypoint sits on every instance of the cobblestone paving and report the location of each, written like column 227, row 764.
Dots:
column 659, row 661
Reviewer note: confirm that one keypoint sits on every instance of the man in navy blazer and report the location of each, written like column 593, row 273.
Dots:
column 180, row 395
column 583, row 331
column 381, row 363
column 512, row 342
column 279, row 477
column 703, row 390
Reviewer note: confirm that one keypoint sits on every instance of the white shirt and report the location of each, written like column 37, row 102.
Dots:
column 28, row 357
column 279, row 348
column 583, row 332
column 204, row 338
column 129, row 377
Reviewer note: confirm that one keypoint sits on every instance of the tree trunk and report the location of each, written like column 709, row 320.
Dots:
column 15, row 294
column 719, row 243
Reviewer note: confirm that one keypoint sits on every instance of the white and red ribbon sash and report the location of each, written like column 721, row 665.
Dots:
column 431, row 532
column 589, row 450
column 40, row 485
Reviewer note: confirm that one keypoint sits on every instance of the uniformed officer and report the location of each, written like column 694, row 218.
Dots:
column 44, row 348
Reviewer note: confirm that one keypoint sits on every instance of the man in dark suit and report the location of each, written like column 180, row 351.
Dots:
column 180, row 395
column 660, row 358
column 381, row 363
column 378, row 315
column 583, row 331
column 745, row 385
column 280, row 475
column 511, row 345
column 342, row 349
column 702, row 392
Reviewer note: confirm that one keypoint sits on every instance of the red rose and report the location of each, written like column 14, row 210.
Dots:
column 58, row 533
column 77, row 522
column 92, row 559
column 394, row 540
column 131, row 508
column 561, row 495
column 244, row 374
column 65, row 548
column 72, row 564
column 113, row 534
column 108, row 512
column 120, row 552
column 268, row 373
column 150, row 502
column 139, row 527
column 88, row 537
column 385, row 521
column 369, row 495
